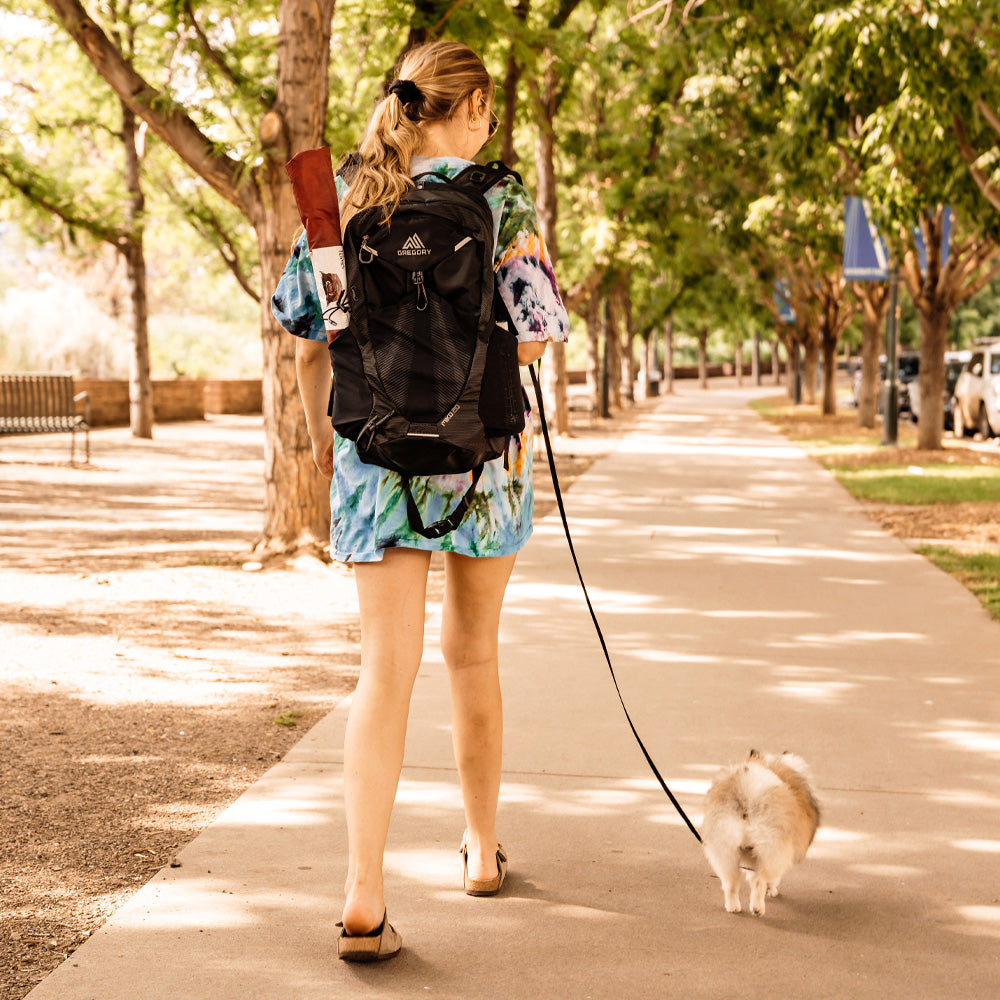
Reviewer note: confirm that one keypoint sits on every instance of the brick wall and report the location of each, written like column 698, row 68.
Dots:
column 173, row 399
column 233, row 396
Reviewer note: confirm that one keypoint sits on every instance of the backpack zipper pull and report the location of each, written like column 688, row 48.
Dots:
column 418, row 280
column 366, row 249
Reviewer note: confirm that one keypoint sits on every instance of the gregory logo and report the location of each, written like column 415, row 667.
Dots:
column 413, row 247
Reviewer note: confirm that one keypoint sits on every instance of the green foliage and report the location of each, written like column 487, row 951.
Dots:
column 78, row 305
column 885, row 81
column 62, row 155
column 977, row 317
column 193, row 346
column 700, row 157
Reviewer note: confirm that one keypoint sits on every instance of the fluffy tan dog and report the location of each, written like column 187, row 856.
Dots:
column 760, row 816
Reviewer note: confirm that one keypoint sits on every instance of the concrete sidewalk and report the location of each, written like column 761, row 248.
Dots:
column 746, row 602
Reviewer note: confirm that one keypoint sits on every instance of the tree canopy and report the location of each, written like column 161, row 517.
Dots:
column 686, row 154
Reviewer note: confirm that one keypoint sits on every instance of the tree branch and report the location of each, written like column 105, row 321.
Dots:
column 228, row 252
column 563, row 14
column 992, row 118
column 169, row 122
column 31, row 190
column 980, row 176
column 206, row 47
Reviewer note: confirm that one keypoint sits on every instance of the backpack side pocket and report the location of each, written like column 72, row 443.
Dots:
column 501, row 401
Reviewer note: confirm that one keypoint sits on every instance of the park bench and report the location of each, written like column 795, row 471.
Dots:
column 37, row 404
column 582, row 405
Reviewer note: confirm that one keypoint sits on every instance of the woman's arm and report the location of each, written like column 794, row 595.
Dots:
column 312, row 368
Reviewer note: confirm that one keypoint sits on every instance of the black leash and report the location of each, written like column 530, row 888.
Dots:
column 590, row 607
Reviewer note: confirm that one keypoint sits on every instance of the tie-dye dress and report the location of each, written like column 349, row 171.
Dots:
column 367, row 502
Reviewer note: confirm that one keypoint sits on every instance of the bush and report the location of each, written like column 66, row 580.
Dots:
column 57, row 328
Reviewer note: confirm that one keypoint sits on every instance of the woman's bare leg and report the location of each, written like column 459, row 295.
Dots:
column 391, row 599
column 474, row 592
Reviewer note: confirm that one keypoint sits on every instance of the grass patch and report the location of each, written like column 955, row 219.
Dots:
column 824, row 436
column 978, row 572
column 288, row 719
column 938, row 483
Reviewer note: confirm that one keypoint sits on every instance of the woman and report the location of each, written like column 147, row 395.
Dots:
column 436, row 118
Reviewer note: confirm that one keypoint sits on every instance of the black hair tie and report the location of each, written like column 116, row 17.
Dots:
column 406, row 90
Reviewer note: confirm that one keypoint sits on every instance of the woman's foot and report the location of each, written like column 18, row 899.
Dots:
column 362, row 913
column 484, row 867
column 480, row 857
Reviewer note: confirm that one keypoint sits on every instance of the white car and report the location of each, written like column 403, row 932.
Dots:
column 954, row 362
column 977, row 392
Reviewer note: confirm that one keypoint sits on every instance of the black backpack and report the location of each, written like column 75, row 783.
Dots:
column 425, row 378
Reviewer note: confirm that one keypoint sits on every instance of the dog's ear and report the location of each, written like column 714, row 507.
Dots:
column 754, row 755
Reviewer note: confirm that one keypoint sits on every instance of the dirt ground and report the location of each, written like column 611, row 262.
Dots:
column 149, row 676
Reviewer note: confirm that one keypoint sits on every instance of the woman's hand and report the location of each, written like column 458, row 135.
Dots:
column 322, row 448
column 530, row 351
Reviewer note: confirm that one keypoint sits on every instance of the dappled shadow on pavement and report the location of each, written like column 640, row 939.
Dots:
column 193, row 494
column 146, row 679
column 746, row 603
column 606, row 896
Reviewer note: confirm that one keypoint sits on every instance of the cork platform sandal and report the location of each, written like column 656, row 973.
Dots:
column 376, row 946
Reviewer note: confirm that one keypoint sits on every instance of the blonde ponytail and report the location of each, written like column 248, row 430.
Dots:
column 432, row 83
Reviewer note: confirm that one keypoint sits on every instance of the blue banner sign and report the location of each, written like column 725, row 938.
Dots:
column 785, row 310
column 865, row 255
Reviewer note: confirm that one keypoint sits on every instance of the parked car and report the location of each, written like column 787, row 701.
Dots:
column 907, row 371
column 977, row 392
column 954, row 362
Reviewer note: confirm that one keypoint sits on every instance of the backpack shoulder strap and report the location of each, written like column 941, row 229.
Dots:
column 482, row 178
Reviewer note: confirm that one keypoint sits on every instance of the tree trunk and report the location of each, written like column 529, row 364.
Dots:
column 703, row 358
column 297, row 501
column 297, row 497
column 810, row 366
column 829, row 347
column 140, row 389
column 630, row 373
column 296, row 504
column 936, row 290
column 626, row 355
column 793, row 364
column 546, row 203
column 775, row 362
column 612, row 347
column 510, row 84
column 594, row 350
column 794, row 356
column 836, row 312
column 668, row 356
column 739, row 363
column 874, row 309
column 933, row 344
column 755, row 360
column 648, row 363
column 507, row 152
